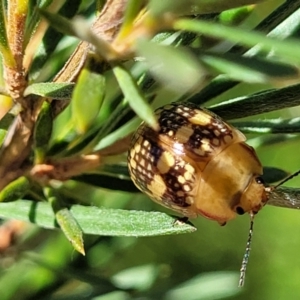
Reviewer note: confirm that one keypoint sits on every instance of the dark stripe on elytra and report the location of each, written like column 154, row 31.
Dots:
column 171, row 179
column 171, row 120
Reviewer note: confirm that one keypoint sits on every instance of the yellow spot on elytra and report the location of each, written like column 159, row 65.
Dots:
column 189, row 168
column 137, row 148
column 183, row 134
column 187, row 176
column 181, row 179
column 205, row 145
column 133, row 163
column 181, row 164
column 165, row 162
column 157, row 186
column 201, row 118
column 186, row 188
column 132, row 152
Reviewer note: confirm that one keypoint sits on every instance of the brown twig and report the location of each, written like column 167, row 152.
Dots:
column 15, row 76
column 65, row 168
column 285, row 197
column 106, row 26
column 17, row 146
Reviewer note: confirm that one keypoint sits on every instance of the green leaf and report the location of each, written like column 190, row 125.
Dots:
column 5, row 50
column 185, row 7
column 139, row 278
column 99, row 221
column 93, row 137
column 15, row 190
column 43, row 131
column 249, row 69
column 286, row 51
column 272, row 175
column 134, row 96
column 269, row 126
column 66, row 221
column 258, row 103
column 270, row 140
column 57, row 91
column 116, row 170
column 108, row 182
column 60, row 23
column 6, row 121
column 235, row 16
column 3, row 36
column 33, row 20
column 87, row 99
column 3, row 133
column 116, row 135
column 71, row 229
column 214, row 285
column 176, row 68
column 51, row 38
column 80, row 29
column 287, row 22
column 132, row 10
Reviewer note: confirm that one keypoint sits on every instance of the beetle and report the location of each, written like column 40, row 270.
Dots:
column 197, row 164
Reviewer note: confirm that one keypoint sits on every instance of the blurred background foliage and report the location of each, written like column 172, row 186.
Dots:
column 39, row 263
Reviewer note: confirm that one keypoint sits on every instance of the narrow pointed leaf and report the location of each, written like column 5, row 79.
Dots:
column 249, row 69
column 132, row 10
column 175, row 68
column 43, row 129
column 58, row 22
column 71, row 229
column 65, row 220
column 51, row 37
column 87, row 99
column 285, row 50
column 6, row 121
column 5, row 50
column 213, row 285
column 99, row 221
column 258, row 103
column 118, row 134
column 57, row 91
column 185, row 7
column 15, row 190
column 80, row 29
column 134, row 96
column 269, row 126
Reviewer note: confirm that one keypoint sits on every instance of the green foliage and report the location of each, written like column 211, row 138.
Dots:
column 87, row 99
column 63, row 165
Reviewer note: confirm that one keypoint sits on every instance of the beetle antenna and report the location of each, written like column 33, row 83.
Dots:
column 287, row 179
column 247, row 252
